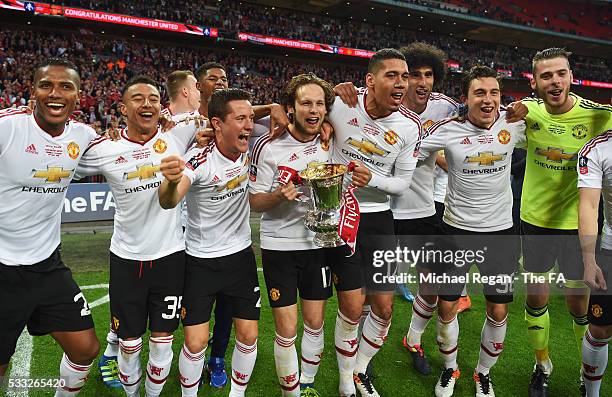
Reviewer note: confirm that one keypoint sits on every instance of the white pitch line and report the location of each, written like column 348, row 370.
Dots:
column 21, row 360
column 20, row 367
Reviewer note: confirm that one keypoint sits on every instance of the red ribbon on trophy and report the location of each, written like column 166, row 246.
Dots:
column 288, row 174
column 349, row 215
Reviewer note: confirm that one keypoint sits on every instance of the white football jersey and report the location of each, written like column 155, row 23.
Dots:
column 36, row 171
column 282, row 228
column 440, row 182
column 217, row 202
column 418, row 202
column 380, row 144
column 142, row 229
column 479, row 196
column 595, row 171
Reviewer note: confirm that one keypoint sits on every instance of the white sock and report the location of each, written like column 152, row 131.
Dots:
column 594, row 362
column 190, row 371
column 158, row 367
column 365, row 311
column 112, row 346
column 243, row 361
column 128, row 362
column 422, row 312
column 347, row 342
column 448, row 336
column 491, row 344
column 286, row 361
column 373, row 335
column 313, row 343
column 75, row 376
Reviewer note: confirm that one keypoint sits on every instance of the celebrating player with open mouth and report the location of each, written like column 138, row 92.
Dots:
column 220, row 259
column 39, row 153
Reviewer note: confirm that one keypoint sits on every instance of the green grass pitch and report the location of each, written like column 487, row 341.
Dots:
column 87, row 255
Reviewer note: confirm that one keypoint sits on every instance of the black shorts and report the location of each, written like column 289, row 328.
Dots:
column 146, row 291
column 234, row 276
column 543, row 247
column 600, row 302
column 44, row 297
column 287, row 271
column 417, row 234
column 375, row 235
column 494, row 253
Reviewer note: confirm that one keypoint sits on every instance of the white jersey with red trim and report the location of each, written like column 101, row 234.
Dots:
column 418, row 202
column 36, row 170
column 217, row 202
column 381, row 144
column 479, row 196
column 595, row 171
column 282, row 228
column 142, row 229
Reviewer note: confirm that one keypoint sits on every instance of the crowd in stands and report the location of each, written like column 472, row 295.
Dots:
column 233, row 17
column 105, row 65
column 580, row 18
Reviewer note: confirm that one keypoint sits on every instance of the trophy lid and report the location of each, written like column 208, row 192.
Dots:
column 322, row 171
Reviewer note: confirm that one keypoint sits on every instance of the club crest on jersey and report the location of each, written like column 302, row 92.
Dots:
column 160, row 146
column 391, row 137
column 503, row 137
column 52, row 174
column 485, row 158
column 583, row 165
column 143, row 172
column 274, row 294
column 233, row 183
column 427, row 124
column 367, row 147
column 555, row 154
column 73, row 150
column 580, row 131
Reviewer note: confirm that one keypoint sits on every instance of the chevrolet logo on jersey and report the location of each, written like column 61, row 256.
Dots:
column 485, row 158
column 367, row 147
column 233, row 184
column 52, row 174
column 144, row 172
column 556, row 155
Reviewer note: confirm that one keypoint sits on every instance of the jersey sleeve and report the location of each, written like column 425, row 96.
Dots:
column 520, row 133
column 262, row 170
column 6, row 132
column 590, row 167
column 91, row 161
column 434, row 140
column 196, row 164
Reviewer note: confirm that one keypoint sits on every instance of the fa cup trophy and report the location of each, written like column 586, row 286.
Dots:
column 326, row 199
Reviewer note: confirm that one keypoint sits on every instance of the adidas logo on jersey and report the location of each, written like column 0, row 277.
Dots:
column 215, row 179
column 466, row 141
column 535, row 126
column 120, row 160
column 293, row 157
column 354, row 122
column 31, row 149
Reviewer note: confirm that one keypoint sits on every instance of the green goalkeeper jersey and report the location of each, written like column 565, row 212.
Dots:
column 550, row 194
